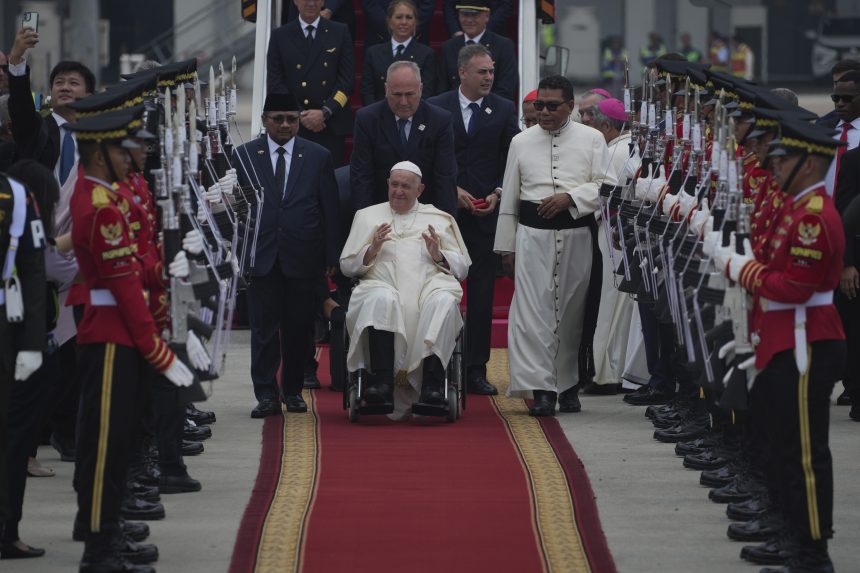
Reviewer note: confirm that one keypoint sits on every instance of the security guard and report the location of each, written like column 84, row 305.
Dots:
column 799, row 341
column 22, row 306
column 116, row 336
column 312, row 58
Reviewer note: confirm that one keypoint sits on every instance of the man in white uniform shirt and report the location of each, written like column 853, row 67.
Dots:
column 547, row 233
column 404, row 315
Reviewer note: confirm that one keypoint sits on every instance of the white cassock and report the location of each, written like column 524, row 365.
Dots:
column 552, row 266
column 616, row 308
column 404, row 292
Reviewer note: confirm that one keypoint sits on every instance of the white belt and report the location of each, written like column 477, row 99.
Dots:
column 818, row 299
column 102, row 297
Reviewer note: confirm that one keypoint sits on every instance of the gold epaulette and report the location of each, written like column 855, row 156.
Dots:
column 102, row 197
column 815, row 204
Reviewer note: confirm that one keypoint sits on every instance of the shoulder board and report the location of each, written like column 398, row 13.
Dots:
column 815, row 204
column 101, row 196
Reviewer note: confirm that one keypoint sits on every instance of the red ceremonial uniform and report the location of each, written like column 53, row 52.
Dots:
column 768, row 202
column 106, row 252
column 803, row 257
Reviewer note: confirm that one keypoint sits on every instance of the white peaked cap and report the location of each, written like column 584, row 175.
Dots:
column 407, row 166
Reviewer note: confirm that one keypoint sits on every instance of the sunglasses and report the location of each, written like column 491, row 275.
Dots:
column 550, row 105
column 279, row 119
column 844, row 98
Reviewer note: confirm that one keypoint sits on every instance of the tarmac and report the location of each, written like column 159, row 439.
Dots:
column 654, row 514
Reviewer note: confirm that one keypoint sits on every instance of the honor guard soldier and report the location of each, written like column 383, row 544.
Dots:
column 22, row 306
column 799, row 344
column 312, row 59
column 116, row 336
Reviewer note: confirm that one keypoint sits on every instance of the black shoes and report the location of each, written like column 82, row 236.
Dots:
column 199, row 417
column 844, row 399
column 144, row 492
column 593, row 389
column 134, row 530
column 777, row 551
column 544, row 403
column 266, row 407
column 64, row 446
column 753, row 508
column 311, row 382
column 757, row 530
column 568, row 401
column 133, row 508
column 481, row 386
column 112, row 564
column 178, row 484
column 433, row 382
column 191, row 448
column 295, row 404
column 12, row 551
column 138, row 553
column 854, row 413
column 647, row 396
column 194, row 433
column 694, row 426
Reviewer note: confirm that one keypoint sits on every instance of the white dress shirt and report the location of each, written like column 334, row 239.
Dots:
column 315, row 24
column 476, row 39
column 395, row 43
column 407, row 128
column 464, row 107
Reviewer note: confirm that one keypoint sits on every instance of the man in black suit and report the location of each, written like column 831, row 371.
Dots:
column 43, row 138
column 484, row 125
column 403, row 128
column 848, row 295
column 474, row 16
column 342, row 11
column 298, row 242
column 312, row 58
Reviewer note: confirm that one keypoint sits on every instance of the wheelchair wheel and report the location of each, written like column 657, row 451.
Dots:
column 354, row 416
column 453, row 405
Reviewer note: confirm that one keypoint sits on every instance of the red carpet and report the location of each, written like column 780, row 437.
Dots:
column 495, row 491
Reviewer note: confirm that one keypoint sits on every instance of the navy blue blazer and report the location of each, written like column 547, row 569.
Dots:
column 481, row 157
column 376, row 20
column 300, row 230
column 504, row 56
column 377, row 148
column 379, row 57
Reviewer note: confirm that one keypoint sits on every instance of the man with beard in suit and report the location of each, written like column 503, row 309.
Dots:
column 403, row 128
column 484, row 125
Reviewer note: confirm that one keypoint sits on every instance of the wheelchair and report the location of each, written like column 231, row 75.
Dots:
column 454, row 387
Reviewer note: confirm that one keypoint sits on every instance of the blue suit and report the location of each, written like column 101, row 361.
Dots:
column 481, row 158
column 504, row 56
column 299, row 236
column 377, row 148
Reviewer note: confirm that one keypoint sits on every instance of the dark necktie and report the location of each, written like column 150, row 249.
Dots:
column 310, row 30
column 281, row 171
column 399, row 51
column 473, row 119
column 470, row 42
column 67, row 156
column 401, row 127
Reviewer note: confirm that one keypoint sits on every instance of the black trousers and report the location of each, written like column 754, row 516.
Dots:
column 336, row 144
column 797, row 425
column 169, row 413
column 7, row 377
column 849, row 312
column 282, row 312
column 65, row 412
column 26, row 417
column 481, row 284
column 109, row 412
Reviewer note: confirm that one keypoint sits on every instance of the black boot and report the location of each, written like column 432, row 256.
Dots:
column 568, row 401
column 103, row 554
column 544, row 404
column 433, row 382
column 380, row 387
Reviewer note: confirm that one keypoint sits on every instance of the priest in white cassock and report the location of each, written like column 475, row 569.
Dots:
column 616, row 308
column 404, row 315
column 547, row 235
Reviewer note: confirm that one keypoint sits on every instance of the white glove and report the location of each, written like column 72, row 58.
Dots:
column 213, row 194
column 669, row 202
column 737, row 262
column 726, row 348
column 197, row 352
column 686, row 203
column 201, row 212
column 193, row 242
column 27, row 362
column 179, row 374
column 722, row 255
column 713, row 239
column 728, row 376
column 227, row 183
column 179, row 268
column 700, row 218
column 649, row 189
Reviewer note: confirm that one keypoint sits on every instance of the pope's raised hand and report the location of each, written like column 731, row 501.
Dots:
column 431, row 239
column 379, row 238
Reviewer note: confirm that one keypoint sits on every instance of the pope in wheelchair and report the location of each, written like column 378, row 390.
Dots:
column 403, row 317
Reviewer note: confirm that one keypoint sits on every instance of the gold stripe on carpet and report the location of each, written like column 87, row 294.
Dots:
column 552, row 504
column 281, row 541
